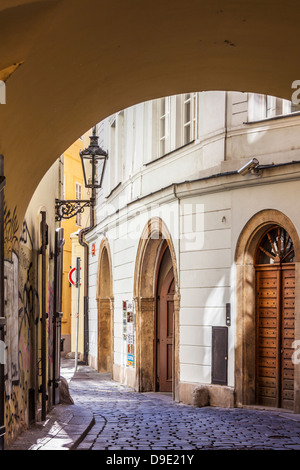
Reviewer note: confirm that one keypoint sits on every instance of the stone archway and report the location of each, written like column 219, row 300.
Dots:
column 245, row 372
column 226, row 45
column 155, row 235
column 105, row 309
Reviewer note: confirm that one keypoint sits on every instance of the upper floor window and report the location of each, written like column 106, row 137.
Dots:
column 265, row 106
column 177, row 121
column 164, row 125
column 189, row 117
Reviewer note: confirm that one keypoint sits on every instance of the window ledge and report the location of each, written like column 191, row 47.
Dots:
column 273, row 118
column 113, row 190
column 169, row 153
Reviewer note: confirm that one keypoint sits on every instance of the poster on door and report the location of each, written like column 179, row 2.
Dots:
column 129, row 331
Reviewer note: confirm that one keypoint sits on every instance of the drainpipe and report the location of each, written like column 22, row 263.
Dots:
column 83, row 243
column 175, row 391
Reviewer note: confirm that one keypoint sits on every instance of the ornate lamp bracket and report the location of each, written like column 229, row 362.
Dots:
column 66, row 209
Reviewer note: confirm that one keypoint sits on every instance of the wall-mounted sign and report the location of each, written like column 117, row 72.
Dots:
column 72, row 277
column 71, row 273
column 93, row 249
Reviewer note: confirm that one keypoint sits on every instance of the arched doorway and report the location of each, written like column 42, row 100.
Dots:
column 275, row 319
column 266, row 301
column 157, row 311
column 164, row 323
column 105, row 310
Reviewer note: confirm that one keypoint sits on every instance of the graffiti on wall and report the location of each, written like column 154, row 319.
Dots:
column 28, row 294
column 23, row 328
column 25, row 236
column 11, row 230
column 11, row 312
column 22, row 314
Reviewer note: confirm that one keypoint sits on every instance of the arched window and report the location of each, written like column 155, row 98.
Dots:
column 276, row 246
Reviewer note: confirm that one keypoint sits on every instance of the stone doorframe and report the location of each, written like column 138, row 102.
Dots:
column 105, row 307
column 246, row 302
column 147, row 259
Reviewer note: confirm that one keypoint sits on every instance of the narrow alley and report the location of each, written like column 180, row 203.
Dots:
column 127, row 420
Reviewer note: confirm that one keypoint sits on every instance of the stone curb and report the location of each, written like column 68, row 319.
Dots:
column 64, row 429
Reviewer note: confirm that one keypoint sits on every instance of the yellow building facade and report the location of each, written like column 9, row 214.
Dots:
column 72, row 187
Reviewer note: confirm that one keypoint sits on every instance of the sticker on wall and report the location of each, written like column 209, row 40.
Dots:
column 130, row 360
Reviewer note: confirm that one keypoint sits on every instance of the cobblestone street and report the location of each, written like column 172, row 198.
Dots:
column 127, row 420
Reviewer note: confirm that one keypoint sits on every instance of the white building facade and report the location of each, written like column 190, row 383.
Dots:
column 193, row 264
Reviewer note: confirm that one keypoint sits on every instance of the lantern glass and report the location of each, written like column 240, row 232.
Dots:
column 87, row 164
column 93, row 161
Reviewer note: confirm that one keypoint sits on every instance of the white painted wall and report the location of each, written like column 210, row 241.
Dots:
column 205, row 262
column 205, row 218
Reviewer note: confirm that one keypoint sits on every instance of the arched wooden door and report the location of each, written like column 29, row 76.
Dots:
column 104, row 301
column 275, row 317
column 165, row 333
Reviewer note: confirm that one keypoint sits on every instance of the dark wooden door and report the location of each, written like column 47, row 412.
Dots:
column 165, row 334
column 275, row 308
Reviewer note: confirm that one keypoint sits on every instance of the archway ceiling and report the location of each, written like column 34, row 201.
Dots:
column 82, row 60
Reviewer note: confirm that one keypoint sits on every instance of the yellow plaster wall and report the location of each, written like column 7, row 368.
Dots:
column 72, row 174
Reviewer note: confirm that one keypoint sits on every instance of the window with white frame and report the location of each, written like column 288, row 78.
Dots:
column 113, row 156
column 176, row 123
column 189, row 117
column 277, row 107
column 78, row 197
column 266, row 106
column 256, row 107
column 164, row 125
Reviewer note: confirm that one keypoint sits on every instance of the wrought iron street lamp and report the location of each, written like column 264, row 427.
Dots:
column 93, row 160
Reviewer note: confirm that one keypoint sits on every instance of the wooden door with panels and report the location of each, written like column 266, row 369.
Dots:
column 165, row 334
column 275, row 318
